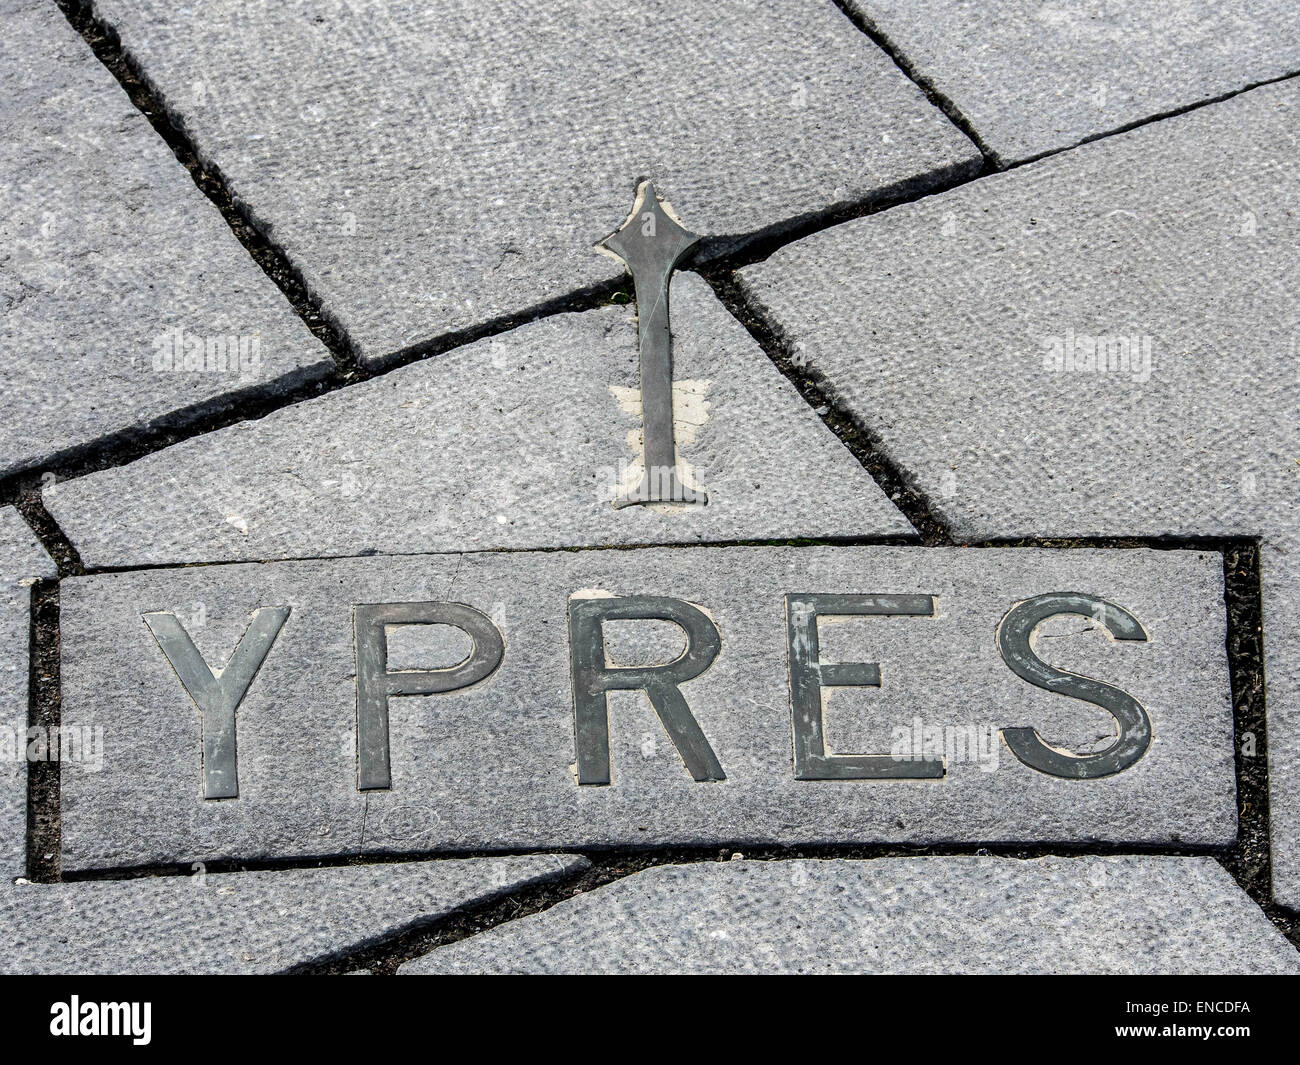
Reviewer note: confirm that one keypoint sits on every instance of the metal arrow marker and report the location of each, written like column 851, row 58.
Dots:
column 652, row 243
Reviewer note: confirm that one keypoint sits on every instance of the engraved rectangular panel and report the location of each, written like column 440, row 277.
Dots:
column 913, row 655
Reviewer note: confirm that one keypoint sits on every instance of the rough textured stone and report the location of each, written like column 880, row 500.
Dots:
column 518, row 441
column 259, row 922
column 1183, row 233
column 893, row 915
column 492, row 765
column 22, row 562
column 1031, row 77
column 21, row 553
column 430, row 166
column 110, row 248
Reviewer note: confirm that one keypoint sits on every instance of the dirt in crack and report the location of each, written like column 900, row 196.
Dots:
column 44, row 839
column 1249, row 860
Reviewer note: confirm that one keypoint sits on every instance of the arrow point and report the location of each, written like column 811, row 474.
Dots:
column 650, row 232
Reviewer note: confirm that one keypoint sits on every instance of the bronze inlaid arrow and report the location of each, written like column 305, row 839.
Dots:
column 652, row 243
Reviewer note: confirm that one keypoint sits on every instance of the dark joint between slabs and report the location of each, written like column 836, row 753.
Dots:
column 124, row 446
column 647, row 855
column 1150, row 119
column 384, row 954
column 120, row 448
column 104, row 42
column 719, row 255
column 692, row 545
column 44, row 839
column 723, row 253
column 1249, row 860
column 57, row 545
column 273, row 260
column 602, row 294
column 819, row 395
column 937, row 98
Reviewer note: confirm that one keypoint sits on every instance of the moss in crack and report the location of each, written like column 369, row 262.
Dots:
column 620, row 296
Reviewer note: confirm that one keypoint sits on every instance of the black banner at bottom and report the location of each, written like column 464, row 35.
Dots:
column 205, row 1014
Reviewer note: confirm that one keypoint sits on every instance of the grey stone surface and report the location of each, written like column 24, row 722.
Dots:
column 492, row 766
column 1182, row 234
column 21, row 555
column 22, row 562
column 108, row 250
column 430, row 166
column 893, row 915
column 522, row 440
column 1032, row 77
column 261, row 922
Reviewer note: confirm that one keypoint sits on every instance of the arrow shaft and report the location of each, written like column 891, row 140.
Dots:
column 651, row 242
column 656, row 359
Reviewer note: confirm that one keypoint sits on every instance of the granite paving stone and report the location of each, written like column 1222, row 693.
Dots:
column 1109, row 350
column 432, row 166
column 22, row 562
column 522, row 440
column 248, row 922
column 1031, row 77
column 124, row 296
column 490, row 762
column 922, row 915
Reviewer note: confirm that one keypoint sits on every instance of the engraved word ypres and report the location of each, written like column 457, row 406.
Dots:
column 217, row 694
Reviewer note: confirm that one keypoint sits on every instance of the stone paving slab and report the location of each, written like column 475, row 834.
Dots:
column 1171, row 251
column 433, row 166
column 260, row 922
column 1031, row 77
column 491, row 763
column 118, row 273
column 1180, row 236
column 523, row 440
column 1125, row 915
column 22, row 562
